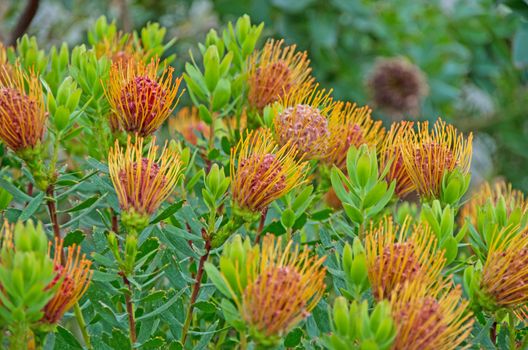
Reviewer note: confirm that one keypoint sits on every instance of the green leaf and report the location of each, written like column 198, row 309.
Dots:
column 218, row 280
column 15, row 192
column 64, row 340
column 231, row 315
column 84, row 204
column 160, row 309
column 31, row 207
column 293, row 338
column 206, row 307
column 74, row 237
column 167, row 212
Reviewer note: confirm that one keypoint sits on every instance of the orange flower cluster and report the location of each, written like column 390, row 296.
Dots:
column 261, row 171
column 428, row 154
column 398, row 254
column 143, row 182
column 22, row 112
column 283, row 285
column 430, row 317
column 274, row 71
column 74, row 276
column 350, row 125
column 140, row 99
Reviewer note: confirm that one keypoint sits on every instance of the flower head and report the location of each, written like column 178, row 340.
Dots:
column 22, row 112
column 391, row 152
column 302, row 121
column 140, row 100
column 143, row 182
column 282, row 285
column 395, row 256
column 274, row 71
column 493, row 193
column 429, row 154
column 74, row 276
column 350, row 126
column 429, row 317
column 504, row 280
column 397, row 86
column 261, row 171
column 189, row 125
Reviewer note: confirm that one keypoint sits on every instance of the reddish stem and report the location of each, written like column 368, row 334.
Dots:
column 115, row 223
column 130, row 310
column 197, row 284
column 53, row 212
column 261, row 225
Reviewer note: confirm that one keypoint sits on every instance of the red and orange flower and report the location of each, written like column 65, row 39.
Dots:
column 22, row 111
column 397, row 254
column 74, row 274
column 301, row 120
column 429, row 154
column 141, row 100
column 143, row 182
column 350, row 125
column 262, row 171
column 430, row 317
column 275, row 70
column 390, row 151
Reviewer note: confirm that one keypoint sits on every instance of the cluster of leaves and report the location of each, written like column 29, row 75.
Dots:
column 161, row 287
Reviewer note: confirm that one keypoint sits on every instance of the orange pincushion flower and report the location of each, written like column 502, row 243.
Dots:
column 391, row 152
column 493, row 193
column 189, row 124
column 505, row 273
column 428, row 154
column 261, row 171
column 74, row 276
column 351, row 126
column 140, row 100
column 283, row 286
column 302, row 120
column 394, row 256
column 274, row 71
column 143, row 182
column 430, row 317
column 22, row 113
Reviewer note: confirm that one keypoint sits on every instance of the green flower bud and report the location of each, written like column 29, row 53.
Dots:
column 221, row 94
column 341, row 316
column 454, row 186
column 212, row 67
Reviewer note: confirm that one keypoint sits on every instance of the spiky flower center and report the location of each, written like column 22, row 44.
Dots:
column 510, row 285
column 306, row 128
column 433, row 159
column 141, row 178
column 275, row 299
column 53, row 312
column 141, row 100
column 270, row 83
column 264, row 174
column 399, row 264
column 424, row 325
column 17, row 109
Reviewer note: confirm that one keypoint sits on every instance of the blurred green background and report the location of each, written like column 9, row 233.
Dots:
column 473, row 54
